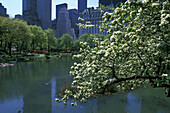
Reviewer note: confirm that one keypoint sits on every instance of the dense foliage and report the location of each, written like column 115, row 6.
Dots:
column 18, row 35
column 89, row 39
column 137, row 51
column 66, row 42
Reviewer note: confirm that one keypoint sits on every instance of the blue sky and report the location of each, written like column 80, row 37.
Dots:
column 15, row 6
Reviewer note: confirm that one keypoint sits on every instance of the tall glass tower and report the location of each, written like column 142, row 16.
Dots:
column 82, row 4
column 108, row 2
column 30, row 13
column 44, row 13
column 37, row 12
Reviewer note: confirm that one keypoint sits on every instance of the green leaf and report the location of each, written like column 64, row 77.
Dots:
column 121, row 4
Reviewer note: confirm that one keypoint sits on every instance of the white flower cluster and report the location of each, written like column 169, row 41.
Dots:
column 129, row 51
column 80, row 19
column 89, row 26
column 100, row 52
column 164, row 19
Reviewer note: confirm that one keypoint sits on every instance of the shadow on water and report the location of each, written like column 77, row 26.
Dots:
column 31, row 87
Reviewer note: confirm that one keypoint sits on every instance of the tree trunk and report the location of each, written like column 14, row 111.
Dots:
column 17, row 47
column 48, row 48
column 41, row 46
column 1, row 43
column 21, row 47
column 167, row 91
column 10, row 48
column 5, row 46
column 33, row 46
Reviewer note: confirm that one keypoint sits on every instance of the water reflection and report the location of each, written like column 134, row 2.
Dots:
column 32, row 86
column 133, row 104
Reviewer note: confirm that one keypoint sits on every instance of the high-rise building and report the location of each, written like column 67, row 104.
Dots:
column 18, row 16
column 65, row 22
column 105, row 2
column 82, row 4
column 3, row 10
column 30, row 13
column 95, row 17
column 63, row 25
column 108, row 2
column 58, row 7
column 44, row 13
column 37, row 12
column 73, row 16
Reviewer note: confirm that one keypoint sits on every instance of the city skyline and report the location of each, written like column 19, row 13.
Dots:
column 15, row 6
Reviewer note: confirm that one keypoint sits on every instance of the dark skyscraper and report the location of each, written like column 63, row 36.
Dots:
column 108, row 2
column 58, row 7
column 105, row 2
column 44, row 13
column 73, row 16
column 82, row 4
column 37, row 12
column 29, row 5
column 3, row 10
column 30, row 13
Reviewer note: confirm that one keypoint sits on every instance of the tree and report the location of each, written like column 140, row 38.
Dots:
column 51, row 40
column 134, row 54
column 58, row 43
column 38, row 37
column 67, row 41
column 76, row 45
column 7, row 29
column 23, row 35
column 108, row 36
column 89, row 39
column 1, row 31
column 11, row 29
column 14, row 32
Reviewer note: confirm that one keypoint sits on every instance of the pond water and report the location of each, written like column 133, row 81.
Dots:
column 31, row 87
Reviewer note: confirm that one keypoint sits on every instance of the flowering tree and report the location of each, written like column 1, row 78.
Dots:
column 136, row 52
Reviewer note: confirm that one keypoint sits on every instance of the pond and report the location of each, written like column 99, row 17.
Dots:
column 31, row 87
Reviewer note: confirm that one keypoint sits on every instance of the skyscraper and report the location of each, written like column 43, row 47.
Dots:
column 44, row 13
column 3, row 10
column 30, row 13
column 37, row 12
column 105, row 2
column 73, row 16
column 108, row 2
column 82, row 4
column 64, row 23
column 58, row 7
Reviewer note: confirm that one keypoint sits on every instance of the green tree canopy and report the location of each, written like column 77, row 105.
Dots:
column 38, row 37
column 58, row 43
column 89, row 39
column 13, row 32
column 22, row 34
column 67, row 41
column 51, row 40
column 136, row 53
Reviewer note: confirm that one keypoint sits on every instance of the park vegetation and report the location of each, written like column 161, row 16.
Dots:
column 18, row 37
column 135, row 52
column 16, row 34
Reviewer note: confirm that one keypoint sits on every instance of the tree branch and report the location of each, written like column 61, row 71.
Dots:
column 113, row 71
column 134, row 77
